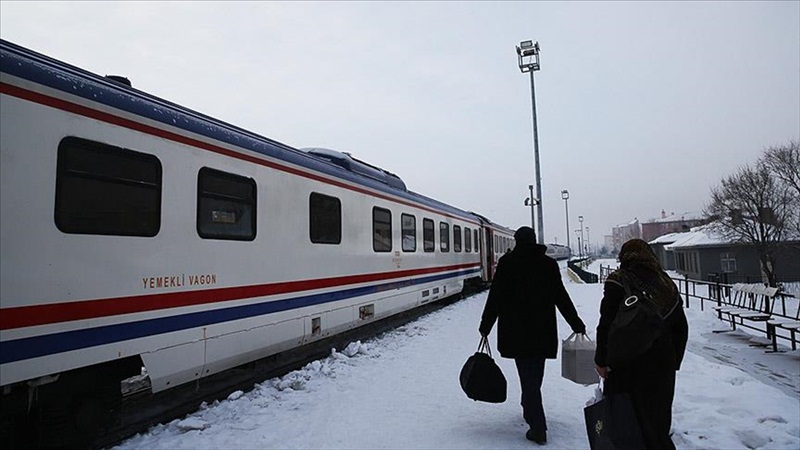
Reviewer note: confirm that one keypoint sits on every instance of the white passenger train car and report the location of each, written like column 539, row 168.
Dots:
column 136, row 232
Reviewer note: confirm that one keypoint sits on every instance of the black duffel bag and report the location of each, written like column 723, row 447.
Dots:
column 481, row 378
column 611, row 424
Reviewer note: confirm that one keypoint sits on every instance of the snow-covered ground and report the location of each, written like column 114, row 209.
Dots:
column 401, row 391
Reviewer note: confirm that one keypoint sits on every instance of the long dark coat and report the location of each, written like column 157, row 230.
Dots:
column 525, row 293
column 650, row 378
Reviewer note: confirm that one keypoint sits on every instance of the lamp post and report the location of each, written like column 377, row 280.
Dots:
column 580, row 219
column 528, row 60
column 588, row 243
column 531, row 201
column 565, row 197
column 580, row 249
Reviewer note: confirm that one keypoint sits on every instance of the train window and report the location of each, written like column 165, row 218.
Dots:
column 428, row 236
column 467, row 239
column 408, row 231
column 226, row 206
column 101, row 189
column 381, row 230
column 325, row 219
column 456, row 238
column 444, row 236
column 477, row 241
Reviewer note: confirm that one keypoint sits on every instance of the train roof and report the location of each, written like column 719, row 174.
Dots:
column 23, row 63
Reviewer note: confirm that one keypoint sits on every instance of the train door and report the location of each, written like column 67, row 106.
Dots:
column 488, row 256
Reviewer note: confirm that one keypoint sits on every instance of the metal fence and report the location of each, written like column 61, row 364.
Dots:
column 586, row 276
column 700, row 293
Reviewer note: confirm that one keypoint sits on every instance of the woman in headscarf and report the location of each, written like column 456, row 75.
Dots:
column 649, row 378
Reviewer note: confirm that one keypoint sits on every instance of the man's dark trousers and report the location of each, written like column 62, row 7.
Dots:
column 531, row 373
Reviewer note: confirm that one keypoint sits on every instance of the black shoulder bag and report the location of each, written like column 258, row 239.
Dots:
column 481, row 378
column 637, row 325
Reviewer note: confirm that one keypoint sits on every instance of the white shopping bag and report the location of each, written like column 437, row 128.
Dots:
column 577, row 359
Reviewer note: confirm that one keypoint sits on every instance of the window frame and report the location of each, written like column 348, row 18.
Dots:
column 444, row 237
column 250, row 200
column 428, row 245
column 405, row 232
column 383, row 248
column 457, row 238
column 319, row 225
column 74, row 196
column 728, row 262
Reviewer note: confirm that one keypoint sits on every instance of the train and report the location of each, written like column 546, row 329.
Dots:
column 558, row 252
column 140, row 237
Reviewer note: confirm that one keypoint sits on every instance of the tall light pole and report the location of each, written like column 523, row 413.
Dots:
column 580, row 249
column 580, row 219
column 588, row 242
column 528, row 58
column 531, row 201
column 565, row 197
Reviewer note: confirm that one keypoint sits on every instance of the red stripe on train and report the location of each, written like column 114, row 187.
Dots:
column 26, row 316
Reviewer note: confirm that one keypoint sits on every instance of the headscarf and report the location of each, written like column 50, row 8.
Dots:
column 638, row 260
column 637, row 252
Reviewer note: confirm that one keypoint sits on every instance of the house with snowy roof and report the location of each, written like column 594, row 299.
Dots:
column 666, row 258
column 702, row 254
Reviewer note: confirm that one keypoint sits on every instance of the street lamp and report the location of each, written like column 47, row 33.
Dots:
column 580, row 219
column 565, row 197
column 588, row 242
column 531, row 201
column 580, row 249
column 528, row 59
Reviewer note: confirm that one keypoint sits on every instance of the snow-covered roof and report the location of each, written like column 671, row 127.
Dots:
column 691, row 215
column 701, row 236
column 667, row 238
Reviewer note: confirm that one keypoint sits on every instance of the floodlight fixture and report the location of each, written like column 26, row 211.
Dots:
column 528, row 56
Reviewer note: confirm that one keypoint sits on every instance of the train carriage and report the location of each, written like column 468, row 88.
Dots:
column 138, row 233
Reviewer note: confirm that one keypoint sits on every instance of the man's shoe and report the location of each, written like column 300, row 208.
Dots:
column 538, row 437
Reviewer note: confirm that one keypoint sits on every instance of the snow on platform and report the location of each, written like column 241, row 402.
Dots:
column 401, row 391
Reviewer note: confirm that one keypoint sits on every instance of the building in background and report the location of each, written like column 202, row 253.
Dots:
column 623, row 233
column 672, row 223
column 700, row 254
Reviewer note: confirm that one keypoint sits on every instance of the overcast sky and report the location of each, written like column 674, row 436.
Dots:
column 642, row 106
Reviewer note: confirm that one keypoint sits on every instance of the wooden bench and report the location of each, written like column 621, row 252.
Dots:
column 749, row 302
column 760, row 304
column 739, row 301
column 785, row 322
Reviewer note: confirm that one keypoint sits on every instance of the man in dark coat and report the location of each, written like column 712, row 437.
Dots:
column 525, row 292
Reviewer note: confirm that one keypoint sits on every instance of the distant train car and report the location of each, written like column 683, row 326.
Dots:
column 138, row 233
column 558, row 252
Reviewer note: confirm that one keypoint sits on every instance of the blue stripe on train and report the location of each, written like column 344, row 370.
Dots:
column 33, row 347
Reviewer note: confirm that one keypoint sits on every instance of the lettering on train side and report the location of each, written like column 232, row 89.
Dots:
column 178, row 281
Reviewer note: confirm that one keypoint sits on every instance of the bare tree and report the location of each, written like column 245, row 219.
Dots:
column 754, row 206
column 784, row 163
